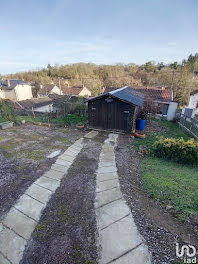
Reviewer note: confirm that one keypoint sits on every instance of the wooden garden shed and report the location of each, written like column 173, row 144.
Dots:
column 115, row 110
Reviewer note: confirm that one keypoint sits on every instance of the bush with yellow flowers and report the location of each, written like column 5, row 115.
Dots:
column 178, row 150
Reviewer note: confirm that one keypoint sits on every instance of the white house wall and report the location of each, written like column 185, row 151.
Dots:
column 85, row 92
column 44, row 109
column 193, row 103
column 172, row 109
column 56, row 90
column 23, row 92
column 10, row 94
column 2, row 94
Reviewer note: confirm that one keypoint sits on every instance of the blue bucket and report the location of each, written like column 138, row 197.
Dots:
column 140, row 124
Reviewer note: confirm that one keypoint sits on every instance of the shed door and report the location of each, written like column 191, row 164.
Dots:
column 111, row 114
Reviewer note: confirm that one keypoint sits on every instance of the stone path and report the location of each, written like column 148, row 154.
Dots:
column 119, row 240
column 91, row 134
column 21, row 220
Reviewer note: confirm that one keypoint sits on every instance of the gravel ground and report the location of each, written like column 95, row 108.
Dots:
column 160, row 230
column 67, row 228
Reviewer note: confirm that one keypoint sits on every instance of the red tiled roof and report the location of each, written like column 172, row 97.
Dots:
column 46, row 89
column 72, row 90
column 156, row 94
column 151, row 92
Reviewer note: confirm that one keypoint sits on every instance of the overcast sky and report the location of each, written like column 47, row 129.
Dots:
column 34, row 33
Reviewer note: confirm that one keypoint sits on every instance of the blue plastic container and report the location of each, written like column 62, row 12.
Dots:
column 140, row 124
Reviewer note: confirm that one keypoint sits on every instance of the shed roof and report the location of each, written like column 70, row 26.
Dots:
column 194, row 92
column 126, row 94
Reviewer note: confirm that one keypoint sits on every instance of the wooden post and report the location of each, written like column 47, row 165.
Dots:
column 33, row 112
column 134, row 118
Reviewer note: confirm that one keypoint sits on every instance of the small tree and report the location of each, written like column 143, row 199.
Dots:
column 149, row 107
column 7, row 111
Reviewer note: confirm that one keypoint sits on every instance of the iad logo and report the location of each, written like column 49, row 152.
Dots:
column 187, row 253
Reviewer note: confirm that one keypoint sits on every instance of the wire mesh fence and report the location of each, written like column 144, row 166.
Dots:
column 189, row 124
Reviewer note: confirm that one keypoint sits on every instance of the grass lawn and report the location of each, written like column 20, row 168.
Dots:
column 71, row 119
column 172, row 184
column 2, row 120
column 168, row 182
column 170, row 130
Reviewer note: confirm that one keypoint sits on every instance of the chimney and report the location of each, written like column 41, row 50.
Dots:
column 8, row 82
column 102, row 90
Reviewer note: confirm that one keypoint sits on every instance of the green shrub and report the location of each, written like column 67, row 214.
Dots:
column 7, row 111
column 178, row 150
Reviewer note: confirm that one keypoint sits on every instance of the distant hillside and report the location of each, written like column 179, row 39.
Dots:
column 182, row 77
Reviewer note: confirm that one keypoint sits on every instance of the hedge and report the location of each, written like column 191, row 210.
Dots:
column 178, row 150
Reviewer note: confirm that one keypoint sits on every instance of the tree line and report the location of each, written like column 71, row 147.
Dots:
column 181, row 77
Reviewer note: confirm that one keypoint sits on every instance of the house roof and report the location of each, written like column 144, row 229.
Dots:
column 35, row 102
column 73, row 90
column 13, row 83
column 194, row 92
column 47, row 89
column 156, row 94
column 126, row 94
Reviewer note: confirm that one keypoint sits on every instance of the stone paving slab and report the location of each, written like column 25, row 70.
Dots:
column 106, row 197
column 117, row 239
column 111, row 213
column 29, row 207
column 11, row 245
column 23, row 216
column 67, row 158
column 60, row 168
column 106, row 176
column 54, row 154
column 105, row 185
column 3, row 260
column 76, row 147
column 20, row 223
column 48, row 183
column 39, row 193
column 63, row 162
column 53, row 174
column 107, row 169
column 72, row 151
column 107, row 158
column 69, row 153
column 91, row 134
column 106, row 164
column 117, row 231
column 137, row 256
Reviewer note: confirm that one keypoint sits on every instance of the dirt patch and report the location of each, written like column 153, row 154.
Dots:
column 159, row 228
column 23, row 152
column 15, row 178
column 153, row 127
column 66, row 230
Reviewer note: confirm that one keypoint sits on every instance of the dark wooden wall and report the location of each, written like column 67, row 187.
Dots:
column 111, row 114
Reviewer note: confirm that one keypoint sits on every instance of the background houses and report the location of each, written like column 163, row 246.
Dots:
column 49, row 89
column 193, row 102
column 77, row 90
column 15, row 90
